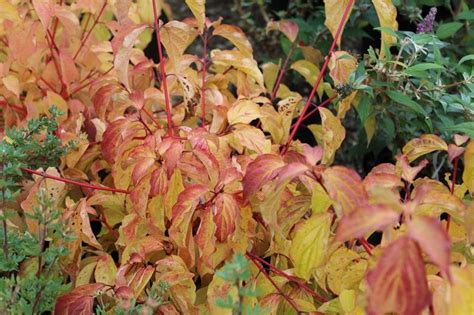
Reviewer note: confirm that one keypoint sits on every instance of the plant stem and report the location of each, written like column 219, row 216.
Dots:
column 324, row 103
column 73, row 182
column 320, row 76
column 163, row 71
column 283, row 294
column 282, row 71
column 279, row 272
column 203, row 85
column 366, row 245
column 84, row 40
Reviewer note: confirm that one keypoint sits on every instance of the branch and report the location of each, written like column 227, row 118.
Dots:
column 320, row 76
column 283, row 294
column 73, row 182
column 163, row 71
column 296, row 280
column 83, row 41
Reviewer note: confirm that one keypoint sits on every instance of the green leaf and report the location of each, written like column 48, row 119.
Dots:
column 408, row 102
column 466, row 58
column 417, row 70
column 466, row 127
column 447, row 30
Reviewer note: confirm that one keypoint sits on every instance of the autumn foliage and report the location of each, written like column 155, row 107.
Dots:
column 186, row 163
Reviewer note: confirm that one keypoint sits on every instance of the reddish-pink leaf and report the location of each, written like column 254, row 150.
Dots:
column 345, row 187
column 454, row 151
column 289, row 28
column 398, row 282
column 45, row 11
column 382, row 175
column 79, row 301
column 433, row 239
column 260, row 171
column 367, row 219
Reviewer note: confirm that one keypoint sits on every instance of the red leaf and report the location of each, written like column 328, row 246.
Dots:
column 260, row 171
column 366, row 219
column 408, row 172
column 433, row 239
column 79, row 301
column 382, row 175
column 398, row 283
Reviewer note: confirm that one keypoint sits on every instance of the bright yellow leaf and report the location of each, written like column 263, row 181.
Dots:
column 198, row 7
column 387, row 14
column 468, row 174
column 309, row 246
column 334, row 9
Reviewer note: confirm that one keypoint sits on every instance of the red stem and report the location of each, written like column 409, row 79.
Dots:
column 282, row 71
column 162, row 70
column 204, row 70
column 320, row 76
column 453, row 185
column 157, row 124
column 83, row 41
column 283, row 294
column 73, row 182
column 90, row 82
column 279, row 272
column 366, row 245
column 86, row 25
column 324, row 103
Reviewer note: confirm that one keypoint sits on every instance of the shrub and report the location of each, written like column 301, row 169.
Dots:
column 184, row 191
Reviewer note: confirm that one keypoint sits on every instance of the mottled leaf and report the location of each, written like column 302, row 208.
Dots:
column 289, row 28
column 79, row 301
column 243, row 112
column 341, row 65
column 260, row 171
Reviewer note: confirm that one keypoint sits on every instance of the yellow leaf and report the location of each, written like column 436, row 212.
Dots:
column 310, row 243
column 85, row 275
column 238, row 60
column 348, row 300
column 176, row 37
column 345, row 270
column 145, row 10
column 387, row 14
column 334, row 9
column 423, row 145
column 309, row 71
column 330, row 134
column 341, row 65
column 460, row 293
column 369, row 127
column 12, row 84
column 320, row 201
column 198, row 7
column 345, row 104
column 468, row 174
column 8, row 11
column 236, row 36
column 243, row 112
column 105, row 271
column 286, row 109
column 270, row 73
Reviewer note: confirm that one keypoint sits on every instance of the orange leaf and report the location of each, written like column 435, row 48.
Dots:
column 398, row 283
column 345, row 187
column 341, row 65
column 367, row 219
